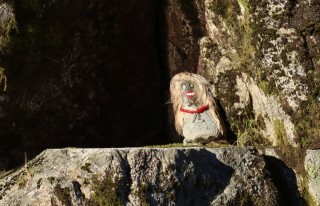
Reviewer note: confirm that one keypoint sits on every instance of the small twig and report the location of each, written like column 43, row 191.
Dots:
column 25, row 159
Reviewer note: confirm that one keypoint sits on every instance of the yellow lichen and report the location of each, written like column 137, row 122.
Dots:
column 280, row 132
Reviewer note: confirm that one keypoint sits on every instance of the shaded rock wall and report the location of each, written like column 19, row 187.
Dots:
column 143, row 176
column 80, row 74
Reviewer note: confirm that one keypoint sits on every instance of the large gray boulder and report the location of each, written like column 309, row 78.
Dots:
column 142, row 176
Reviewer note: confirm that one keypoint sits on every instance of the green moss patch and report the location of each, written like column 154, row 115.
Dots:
column 218, row 143
column 307, row 121
column 105, row 192
column 227, row 9
column 280, row 132
column 63, row 194
column 21, row 181
column 308, row 197
column 86, row 167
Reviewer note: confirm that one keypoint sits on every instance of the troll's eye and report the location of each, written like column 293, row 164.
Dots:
column 191, row 86
column 184, row 86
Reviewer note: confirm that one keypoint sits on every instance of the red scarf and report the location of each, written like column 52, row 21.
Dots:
column 199, row 110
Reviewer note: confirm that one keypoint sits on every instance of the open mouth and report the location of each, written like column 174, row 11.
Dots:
column 189, row 94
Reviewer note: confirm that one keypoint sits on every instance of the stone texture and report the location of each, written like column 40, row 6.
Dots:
column 88, row 73
column 240, row 31
column 312, row 166
column 139, row 176
column 266, row 106
column 183, row 27
column 200, row 129
column 65, row 56
column 263, row 60
column 7, row 24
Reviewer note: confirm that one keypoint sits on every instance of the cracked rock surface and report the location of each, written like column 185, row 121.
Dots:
column 142, row 176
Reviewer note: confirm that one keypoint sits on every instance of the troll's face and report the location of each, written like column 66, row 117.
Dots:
column 189, row 93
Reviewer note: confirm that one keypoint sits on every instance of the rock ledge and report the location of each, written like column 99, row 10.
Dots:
column 145, row 176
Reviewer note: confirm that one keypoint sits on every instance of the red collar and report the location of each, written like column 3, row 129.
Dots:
column 199, row 110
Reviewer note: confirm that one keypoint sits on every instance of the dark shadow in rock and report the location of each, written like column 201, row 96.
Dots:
column 82, row 74
column 201, row 177
column 231, row 137
column 77, row 190
column 285, row 181
column 161, row 44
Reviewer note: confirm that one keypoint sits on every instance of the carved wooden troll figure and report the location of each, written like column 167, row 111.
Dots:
column 195, row 110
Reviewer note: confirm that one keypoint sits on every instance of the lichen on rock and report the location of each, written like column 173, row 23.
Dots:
column 312, row 167
column 259, row 44
column 141, row 176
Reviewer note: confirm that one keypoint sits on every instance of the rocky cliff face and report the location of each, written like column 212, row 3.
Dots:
column 146, row 176
column 263, row 58
column 95, row 74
